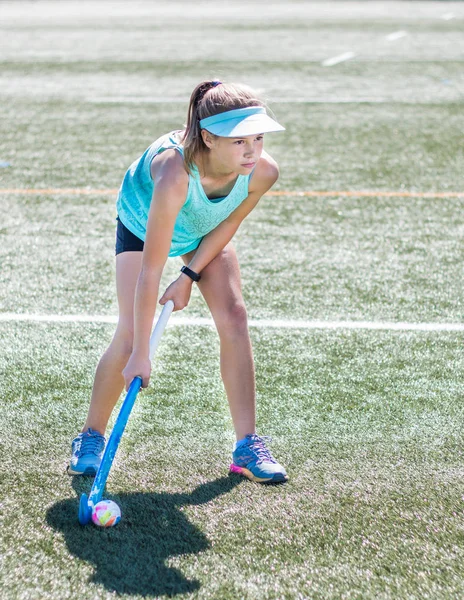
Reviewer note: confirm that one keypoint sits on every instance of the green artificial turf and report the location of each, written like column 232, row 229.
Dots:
column 325, row 258
column 368, row 425
column 386, row 147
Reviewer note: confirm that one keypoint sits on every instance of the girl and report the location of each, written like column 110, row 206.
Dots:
column 186, row 196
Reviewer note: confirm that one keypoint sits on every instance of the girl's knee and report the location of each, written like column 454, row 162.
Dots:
column 123, row 340
column 233, row 320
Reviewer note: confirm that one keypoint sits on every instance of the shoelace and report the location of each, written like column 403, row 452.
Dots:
column 257, row 446
column 90, row 443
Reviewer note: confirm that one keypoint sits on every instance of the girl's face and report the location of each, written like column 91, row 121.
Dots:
column 239, row 155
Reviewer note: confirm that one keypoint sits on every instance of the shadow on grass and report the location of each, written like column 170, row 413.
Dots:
column 130, row 558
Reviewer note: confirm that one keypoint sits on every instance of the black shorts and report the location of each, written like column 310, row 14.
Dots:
column 126, row 241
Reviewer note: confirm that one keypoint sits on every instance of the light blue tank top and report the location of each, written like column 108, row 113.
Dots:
column 197, row 217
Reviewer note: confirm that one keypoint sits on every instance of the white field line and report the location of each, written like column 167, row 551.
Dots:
column 396, row 35
column 177, row 321
column 330, row 62
column 448, row 16
column 277, row 100
column 136, row 99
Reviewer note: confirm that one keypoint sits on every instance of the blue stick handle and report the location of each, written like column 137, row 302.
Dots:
column 113, row 442
column 121, row 422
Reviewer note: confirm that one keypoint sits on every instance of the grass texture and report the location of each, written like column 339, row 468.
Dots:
column 370, row 428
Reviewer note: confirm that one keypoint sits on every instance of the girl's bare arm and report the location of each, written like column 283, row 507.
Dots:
column 171, row 184
column 264, row 177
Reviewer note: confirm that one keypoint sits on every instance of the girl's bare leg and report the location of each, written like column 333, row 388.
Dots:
column 109, row 381
column 221, row 288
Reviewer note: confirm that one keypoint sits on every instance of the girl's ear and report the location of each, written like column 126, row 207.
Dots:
column 208, row 138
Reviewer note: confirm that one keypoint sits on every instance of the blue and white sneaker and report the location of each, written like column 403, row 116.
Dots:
column 87, row 452
column 252, row 459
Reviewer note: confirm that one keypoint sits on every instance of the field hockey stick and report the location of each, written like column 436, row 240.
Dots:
column 87, row 504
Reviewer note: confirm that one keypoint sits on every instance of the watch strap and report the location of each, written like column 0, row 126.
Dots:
column 193, row 276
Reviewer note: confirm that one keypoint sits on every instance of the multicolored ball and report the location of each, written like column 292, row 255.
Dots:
column 106, row 513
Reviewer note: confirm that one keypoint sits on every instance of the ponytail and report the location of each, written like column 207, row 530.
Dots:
column 207, row 99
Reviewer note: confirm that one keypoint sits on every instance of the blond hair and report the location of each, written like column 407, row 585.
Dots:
column 211, row 98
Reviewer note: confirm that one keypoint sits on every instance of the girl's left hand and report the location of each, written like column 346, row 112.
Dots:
column 179, row 292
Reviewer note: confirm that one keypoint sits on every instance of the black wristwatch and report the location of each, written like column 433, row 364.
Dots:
column 194, row 276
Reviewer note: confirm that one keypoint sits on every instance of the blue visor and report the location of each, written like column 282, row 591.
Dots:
column 241, row 122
